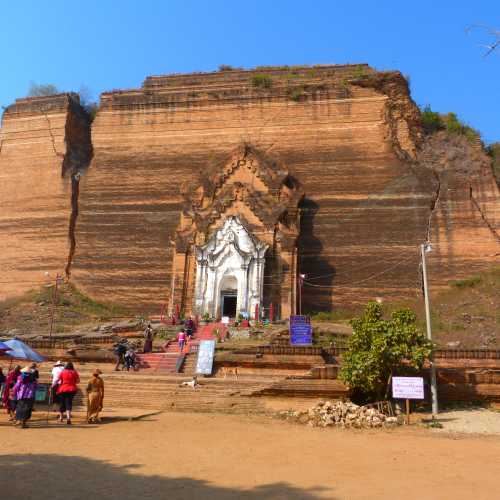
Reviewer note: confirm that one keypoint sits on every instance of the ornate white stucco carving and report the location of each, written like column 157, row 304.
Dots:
column 232, row 259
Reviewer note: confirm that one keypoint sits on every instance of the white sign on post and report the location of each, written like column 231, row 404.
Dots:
column 205, row 359
column 407, row 387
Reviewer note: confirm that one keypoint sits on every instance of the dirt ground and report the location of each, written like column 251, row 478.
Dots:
column 202, row 456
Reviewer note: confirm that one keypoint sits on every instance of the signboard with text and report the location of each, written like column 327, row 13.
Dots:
column 300, row 330
column 407, row 387
column 205, row 360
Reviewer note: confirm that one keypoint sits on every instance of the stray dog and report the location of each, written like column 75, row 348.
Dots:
column 191, row 383
column 230, row 370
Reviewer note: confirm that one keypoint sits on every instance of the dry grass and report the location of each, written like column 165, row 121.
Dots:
column 31, row 312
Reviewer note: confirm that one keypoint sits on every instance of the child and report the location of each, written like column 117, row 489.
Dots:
column 181, row 339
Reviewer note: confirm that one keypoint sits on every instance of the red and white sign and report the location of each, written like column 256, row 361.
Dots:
column 407, row 387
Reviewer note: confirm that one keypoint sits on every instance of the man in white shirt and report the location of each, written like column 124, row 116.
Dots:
column 56, row 371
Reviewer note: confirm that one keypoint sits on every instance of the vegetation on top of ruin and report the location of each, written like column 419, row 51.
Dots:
column 39, row 90
column 228, row 67
column 494, row 152
column 433, row 122
column 296, row 94
column 87, row 100
column 261, row 81
column 360, row 71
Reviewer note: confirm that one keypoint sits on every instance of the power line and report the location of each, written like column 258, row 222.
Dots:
column 363, row 280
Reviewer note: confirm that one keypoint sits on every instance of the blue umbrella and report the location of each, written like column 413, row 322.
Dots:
column 4, row 347
column 20, row 350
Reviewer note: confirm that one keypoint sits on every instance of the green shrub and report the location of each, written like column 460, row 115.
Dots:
column 431, row 121
column 467, row 282
column 494, row 152
column 296, row 94
column 330, row 315
column 261, row 81
column 434, row 122
column 455, row 126
column 379, row 348
column 359, row 72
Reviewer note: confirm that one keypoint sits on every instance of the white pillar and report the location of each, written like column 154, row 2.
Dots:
column 242, row 304
column 199, row 285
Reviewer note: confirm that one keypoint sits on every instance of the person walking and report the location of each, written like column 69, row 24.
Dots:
column 95, row 397
column 181, row 339
column 120, row 350
column 66, row 390
column 130, row 359
column 56, row 371
column 148, row 339
column 189, row 326
column 2, row 383
column 24, row 390
column 8, row 397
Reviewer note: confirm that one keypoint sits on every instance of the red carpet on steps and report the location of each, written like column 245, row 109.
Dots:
column 206, row 332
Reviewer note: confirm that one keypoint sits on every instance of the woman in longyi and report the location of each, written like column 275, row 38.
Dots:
column 95, row 397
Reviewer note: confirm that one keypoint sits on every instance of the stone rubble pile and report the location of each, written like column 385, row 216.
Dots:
column 341, row 414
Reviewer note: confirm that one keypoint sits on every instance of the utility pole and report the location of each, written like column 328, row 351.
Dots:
column 302, row 277
column 423, row 249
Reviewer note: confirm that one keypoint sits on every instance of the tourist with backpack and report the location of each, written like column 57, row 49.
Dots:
column 24, row 392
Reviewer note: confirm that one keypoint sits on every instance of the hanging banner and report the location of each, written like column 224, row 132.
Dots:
column 205, row 360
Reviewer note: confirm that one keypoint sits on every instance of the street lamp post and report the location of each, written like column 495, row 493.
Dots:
column 424, row 248
column 302, row 277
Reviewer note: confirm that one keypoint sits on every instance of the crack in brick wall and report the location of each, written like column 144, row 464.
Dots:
column 75, row 192
column 53, row 140
column 434, row 206
column 483, row 216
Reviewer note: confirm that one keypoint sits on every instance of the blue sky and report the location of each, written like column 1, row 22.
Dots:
column 106, row 44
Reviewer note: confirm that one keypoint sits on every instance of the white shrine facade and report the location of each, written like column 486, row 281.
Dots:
column 230, row 272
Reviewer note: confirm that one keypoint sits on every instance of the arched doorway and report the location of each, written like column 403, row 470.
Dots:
column 229, row 296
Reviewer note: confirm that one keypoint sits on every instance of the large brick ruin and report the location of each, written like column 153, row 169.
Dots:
column 372, row 188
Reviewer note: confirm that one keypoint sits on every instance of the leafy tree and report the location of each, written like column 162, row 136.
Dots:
column 38, row 90
column 380, row 348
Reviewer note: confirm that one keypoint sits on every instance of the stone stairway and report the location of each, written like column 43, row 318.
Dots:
column 150, row 391
column 158, row 362
column 189, row 366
